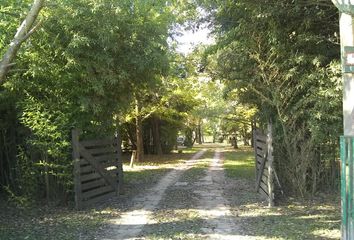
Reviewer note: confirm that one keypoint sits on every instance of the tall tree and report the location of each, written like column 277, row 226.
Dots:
column 82, row 71
column 25, row 30
column 280, row 59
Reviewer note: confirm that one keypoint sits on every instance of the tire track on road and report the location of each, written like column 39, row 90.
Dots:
column 214, row 208
column 131, row 223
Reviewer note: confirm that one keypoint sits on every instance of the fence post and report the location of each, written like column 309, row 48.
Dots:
column 75, row 133
column 270, row 166
column 254, row 132
column 120, row 164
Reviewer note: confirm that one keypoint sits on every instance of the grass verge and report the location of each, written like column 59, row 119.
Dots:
column 47, row 223
column 239, row 164
column 292, row 218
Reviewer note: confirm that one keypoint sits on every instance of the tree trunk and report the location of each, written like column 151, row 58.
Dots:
column 156, row 135
column 245, row 137
column 235, row 142
column 196, row 135
column 25, row 30
column 199, row 130
column 139, row 132
column 253, row 124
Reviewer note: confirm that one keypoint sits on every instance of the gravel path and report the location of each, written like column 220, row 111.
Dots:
column 213, row 206
column 188, row 203
column 130, row 224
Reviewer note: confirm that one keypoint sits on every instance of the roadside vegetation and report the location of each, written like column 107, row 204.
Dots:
column 59, row 222
column 50, row 222
column 292, row 218
column 68, row 68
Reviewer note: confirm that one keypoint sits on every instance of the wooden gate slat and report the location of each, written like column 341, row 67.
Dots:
column 106, row 158
column 86, row 169
column 261, row 137
column 97, row 199
column 93, row 184
column 261, row 145
column 100, row 170
column 260, row 173
column 97, row 191
column 263, row 192
column 260, row 152
column 96, row 143
column 77, row 173
column 120, row 164
column 102, row 150
column 264, row 178
column 90, row 177
column 259, row 160
column 89, row 168
column 95, row 177
column 264, row 164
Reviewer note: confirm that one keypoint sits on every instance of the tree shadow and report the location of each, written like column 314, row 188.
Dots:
column 176, row 218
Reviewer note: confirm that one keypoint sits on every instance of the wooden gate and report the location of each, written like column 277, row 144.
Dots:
column 265, row 173
column 98, row 171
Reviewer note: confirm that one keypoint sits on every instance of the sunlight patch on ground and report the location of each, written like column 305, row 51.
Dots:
column 150, row 165
column 173, row 215
column 257, row 212
column 140, row 168
column 317, row 216
column 326, row 207
column 327, row 233
column 136, row 217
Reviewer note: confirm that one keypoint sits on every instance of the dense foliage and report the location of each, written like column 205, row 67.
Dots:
column 83, row 68
column 107, row 65
column 280, row 58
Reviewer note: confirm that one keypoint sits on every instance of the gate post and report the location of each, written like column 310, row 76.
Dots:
column 254, row 145
column 120, row 164
column 75, row 133
column 347, row 184
column 270, row 166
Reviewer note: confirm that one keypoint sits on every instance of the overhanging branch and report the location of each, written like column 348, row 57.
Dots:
column 25, row 30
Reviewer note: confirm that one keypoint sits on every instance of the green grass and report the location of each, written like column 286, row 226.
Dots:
column 43, row 223
column 240, row 163
column 293, row 219
column 193, row 174
column 198, row 170
column 137, row 181
column 47, row 223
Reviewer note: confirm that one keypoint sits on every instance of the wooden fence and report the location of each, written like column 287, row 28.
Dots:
column 98, row 171
column 264, row 164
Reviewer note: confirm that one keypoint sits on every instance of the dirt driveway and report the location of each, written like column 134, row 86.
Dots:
column 188, row 201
